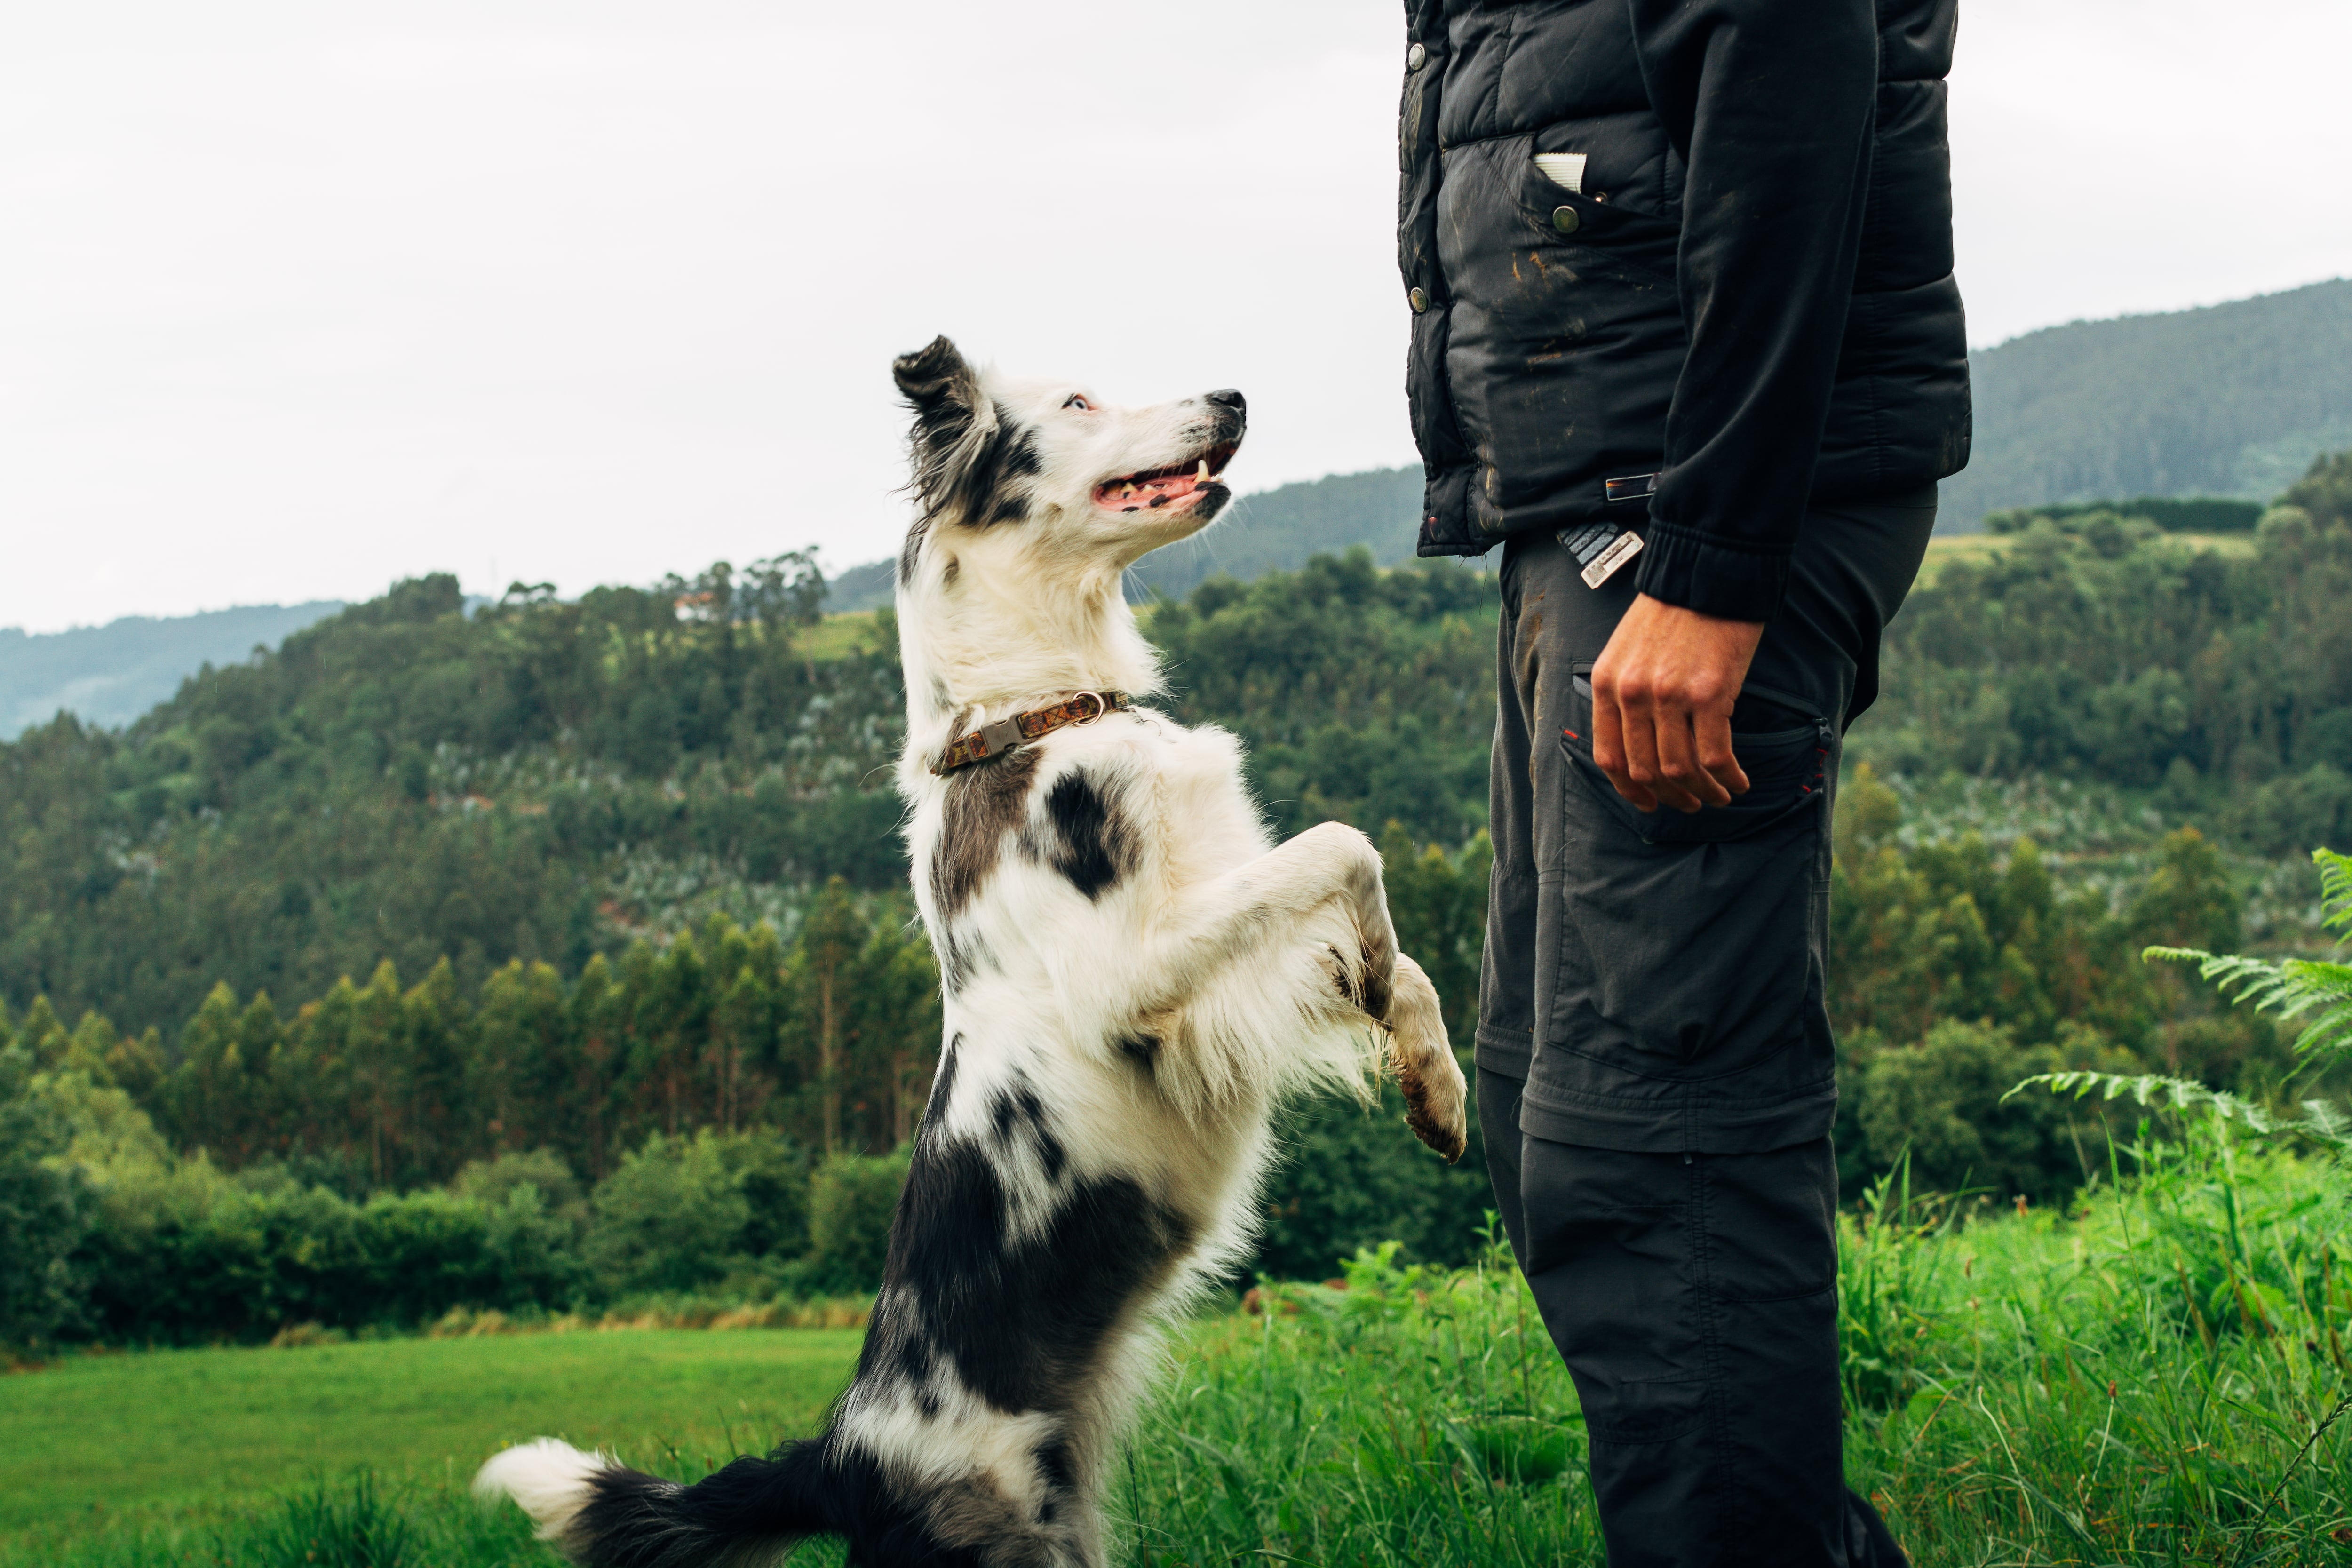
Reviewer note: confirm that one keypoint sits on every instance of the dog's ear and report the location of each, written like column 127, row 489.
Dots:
column 956, row 429
column 935, row 378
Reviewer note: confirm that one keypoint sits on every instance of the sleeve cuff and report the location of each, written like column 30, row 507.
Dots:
column 1730, row 582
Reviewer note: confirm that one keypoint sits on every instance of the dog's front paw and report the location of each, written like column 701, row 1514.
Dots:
column 1433, row 1106
column 1436, row 1096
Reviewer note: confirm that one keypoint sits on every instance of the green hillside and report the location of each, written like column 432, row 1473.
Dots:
column 2230, row 400
column 420, row 800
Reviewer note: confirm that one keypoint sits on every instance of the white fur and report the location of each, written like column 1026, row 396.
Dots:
column 1224, row 945
column 548, row 1477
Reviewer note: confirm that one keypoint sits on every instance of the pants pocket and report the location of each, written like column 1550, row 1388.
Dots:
column 1689, row 947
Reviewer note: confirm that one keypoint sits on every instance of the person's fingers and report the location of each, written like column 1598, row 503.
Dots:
column 1609, row 727
column 1713, row 733
column 1684, row 784
column 1650, row 788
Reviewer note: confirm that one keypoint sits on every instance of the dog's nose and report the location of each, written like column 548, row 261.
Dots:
column 1227, row 397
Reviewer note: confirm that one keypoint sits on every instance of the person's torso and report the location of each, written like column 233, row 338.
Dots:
column 1538, row 228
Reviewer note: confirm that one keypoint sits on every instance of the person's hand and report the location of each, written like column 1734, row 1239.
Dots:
column 1661, row 697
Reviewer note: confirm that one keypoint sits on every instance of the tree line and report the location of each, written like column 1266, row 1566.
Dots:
column 829, row 1038
column 2219, row 685
column 544, row 782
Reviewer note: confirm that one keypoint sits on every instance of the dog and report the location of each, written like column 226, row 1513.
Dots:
column 1134, row 975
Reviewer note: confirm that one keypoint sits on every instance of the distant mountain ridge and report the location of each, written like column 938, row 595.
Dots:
column 2229, row 400
column 112, row 674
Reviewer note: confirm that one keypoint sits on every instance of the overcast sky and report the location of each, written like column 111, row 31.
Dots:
column 296, row 298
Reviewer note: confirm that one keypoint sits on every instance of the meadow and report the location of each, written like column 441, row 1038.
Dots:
column 2158, row 1376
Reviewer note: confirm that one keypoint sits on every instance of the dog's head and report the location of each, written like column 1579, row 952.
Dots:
column 1045, row 473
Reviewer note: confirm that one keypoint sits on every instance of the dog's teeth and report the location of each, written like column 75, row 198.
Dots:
column 1204, row 470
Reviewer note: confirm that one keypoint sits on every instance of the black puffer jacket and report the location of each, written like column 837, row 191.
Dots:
column 1751, row 297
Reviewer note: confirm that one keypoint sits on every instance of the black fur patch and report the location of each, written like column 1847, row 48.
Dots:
column 962, row 955
column 910, row 552
column 1092, row 846
column 1143, row 1051
column 1017, row 1114
column 1023, row 1324
column 983, row 804
column 635, row 1520
column 980, row 490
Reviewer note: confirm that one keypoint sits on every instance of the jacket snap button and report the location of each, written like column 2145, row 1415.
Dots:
column 1415, row 57
column 1418, row 299
column 1565, row 220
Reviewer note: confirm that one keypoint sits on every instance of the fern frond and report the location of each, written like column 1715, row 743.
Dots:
column 2335, row 892
column 2290, row 989
column 2320, row 1121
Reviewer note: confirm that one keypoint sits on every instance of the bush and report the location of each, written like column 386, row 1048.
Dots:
column 190, row 1254
column 493, row 1182
column 43, row 1212
column 1941, row 1102
column 682, row 1214
column 1349, row 1178
column 851, row 1200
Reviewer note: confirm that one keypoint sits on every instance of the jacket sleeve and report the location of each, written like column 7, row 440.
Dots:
column 1769, row 103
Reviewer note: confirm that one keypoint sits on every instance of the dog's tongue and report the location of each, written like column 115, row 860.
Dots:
column 1137, row 493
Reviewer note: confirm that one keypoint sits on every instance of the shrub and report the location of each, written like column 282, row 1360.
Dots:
column 682, row 1214
column 1350, row 1178
column 1940, row 1103
column 43, row 1212
column 851, row 1200
column 188, row 1254
column 493, row 1182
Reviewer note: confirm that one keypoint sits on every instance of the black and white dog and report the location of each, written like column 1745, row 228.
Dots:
column 1134, row 976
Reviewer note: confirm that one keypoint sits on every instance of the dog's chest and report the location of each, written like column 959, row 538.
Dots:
column 1102, row 824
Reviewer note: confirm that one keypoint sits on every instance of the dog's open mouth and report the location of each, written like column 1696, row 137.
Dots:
column 1158, row 488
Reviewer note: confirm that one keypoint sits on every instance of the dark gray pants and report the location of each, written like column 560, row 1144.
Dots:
column 1651, row 1026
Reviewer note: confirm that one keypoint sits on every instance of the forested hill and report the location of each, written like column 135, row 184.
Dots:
column 424, row 887
column 2231, row 400
column 545, row 780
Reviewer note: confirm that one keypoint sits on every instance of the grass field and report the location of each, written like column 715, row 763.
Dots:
column 1946, row 548
column 174, row 1435
column 2159, row 1379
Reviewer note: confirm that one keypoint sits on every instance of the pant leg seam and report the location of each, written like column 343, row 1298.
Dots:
column 1718, row 1421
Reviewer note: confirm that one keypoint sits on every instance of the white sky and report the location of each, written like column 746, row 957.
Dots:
column 296, row 298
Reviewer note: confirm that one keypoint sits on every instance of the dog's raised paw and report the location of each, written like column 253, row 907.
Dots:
column 1435, row 1113
column 1436, row 1096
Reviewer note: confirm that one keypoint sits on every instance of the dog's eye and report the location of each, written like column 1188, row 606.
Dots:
column 1080, row 404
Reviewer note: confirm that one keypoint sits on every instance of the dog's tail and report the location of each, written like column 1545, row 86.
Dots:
column 602, row 1514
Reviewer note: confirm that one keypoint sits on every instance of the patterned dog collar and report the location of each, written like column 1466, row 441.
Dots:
column 1005, row 734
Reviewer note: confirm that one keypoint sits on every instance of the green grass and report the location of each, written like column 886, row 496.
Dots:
column 171, row 1436
column 2157, row 1379
column 1979, row 548
column 837, row 637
